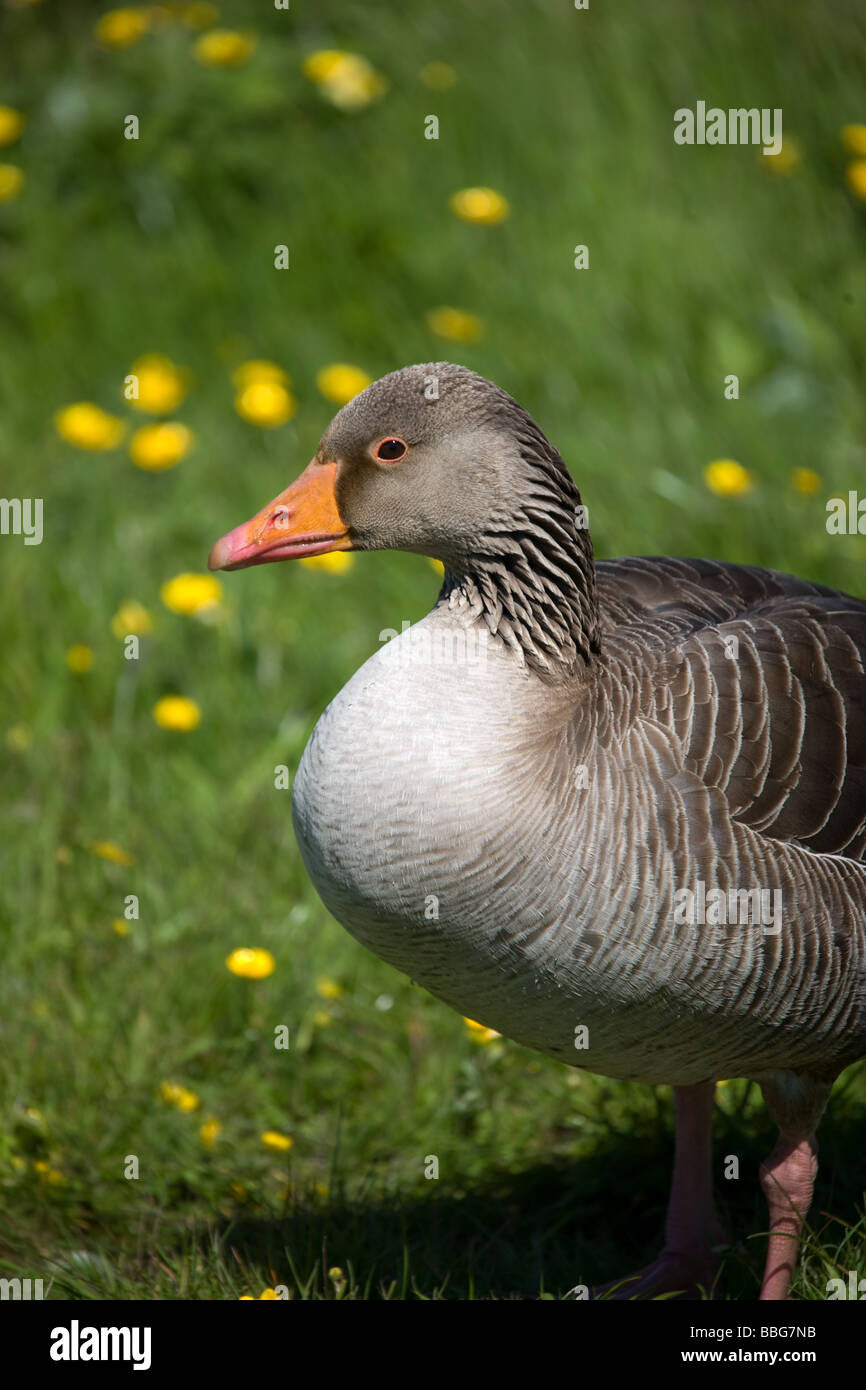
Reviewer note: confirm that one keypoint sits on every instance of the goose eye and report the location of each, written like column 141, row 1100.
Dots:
column 390, row 450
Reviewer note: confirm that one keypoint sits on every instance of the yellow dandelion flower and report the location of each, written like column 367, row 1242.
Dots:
column 258, row 369
column 347, row 80
column 107, row 849
column 200, row 15
column 79, row 658
column 19, row 737
column 321, row 65
column 209, row 1131
column 121, row 926
column 455, row 325
column 279, row 1143
column 336, row 562
column 251, row 963
column 437, row 565
column 805, row 480
column 341, row 382
column 157, row 447
column 482, row 205
column 178, row 713
column 322, row 1018
column 246, row 1298
column 131, row 619
column 727, row 478
column 855, row 176
column 11, row 182
column 786, row 161
column 478, row 1033
column 268, row 1294
column 438, row 76
column 88, row 427
column 190, row 593
column 120, row 28
column 179, row 1096
column 159, row 386
column 854, row 138
column 47, row 1174
column 265, row 403
column 224, row 48
column 11, row 125
column 327, row 988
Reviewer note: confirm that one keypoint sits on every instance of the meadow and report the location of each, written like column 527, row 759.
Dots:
column 144, row 841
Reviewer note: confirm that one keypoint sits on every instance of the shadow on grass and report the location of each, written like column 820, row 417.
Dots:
column 547, row 1228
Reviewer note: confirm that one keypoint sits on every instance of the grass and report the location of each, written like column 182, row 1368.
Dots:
column 702, row 262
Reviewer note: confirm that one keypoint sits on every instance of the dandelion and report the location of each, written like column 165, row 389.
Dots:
column 177, row 713
column 191, row 593
column 11, row 125
column 341, row 382
column 52, row 1176
column 438, row 76
column 131, row 620
column 209, row 1131
column 727, row 478
column 258, row 369
column 179, row 1096
column 855, row 176
column 19, row 737
column 478, row 1033
column 11, row 182
column 327, row 988
column 87, row 426
column 347, row 80
column 278, row 1143
column 787, row 159
column 224, row 48
column 251, row 963
column 336, row 562
column 120, row 28
column 79, row 658
column 265, row 403
column 157, row 447
column 482, row 205
column 121, row 926
column 159, row 385
column 268, row 1294
column 805, row 480
column 455, row 325
column 854, row 138
column 107, row 849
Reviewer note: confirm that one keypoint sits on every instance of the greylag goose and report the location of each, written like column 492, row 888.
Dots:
column 615, row 811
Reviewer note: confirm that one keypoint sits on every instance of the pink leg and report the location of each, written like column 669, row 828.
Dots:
column 787, row 1178
column 692, row 1228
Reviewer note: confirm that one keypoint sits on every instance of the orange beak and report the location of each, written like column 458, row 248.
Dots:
column 303, row 520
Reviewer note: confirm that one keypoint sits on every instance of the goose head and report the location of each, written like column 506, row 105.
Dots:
column 437, row 460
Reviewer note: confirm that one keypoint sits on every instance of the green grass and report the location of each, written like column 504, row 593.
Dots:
column 702, row 262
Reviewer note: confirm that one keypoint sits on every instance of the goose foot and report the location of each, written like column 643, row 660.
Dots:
column 795, row 1101
column 675, row 1275
column 687, row 1265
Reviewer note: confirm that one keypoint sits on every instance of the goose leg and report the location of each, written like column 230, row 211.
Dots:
column 687, row 1262
column 788, row 1175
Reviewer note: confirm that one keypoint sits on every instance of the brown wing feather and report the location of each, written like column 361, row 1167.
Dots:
column 761, row 679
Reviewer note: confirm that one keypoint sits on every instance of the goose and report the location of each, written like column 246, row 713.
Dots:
column 516, row 800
